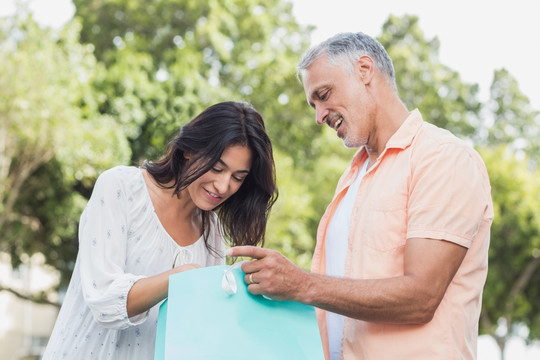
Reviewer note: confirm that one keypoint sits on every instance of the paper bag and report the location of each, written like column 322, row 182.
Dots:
column 202, row 320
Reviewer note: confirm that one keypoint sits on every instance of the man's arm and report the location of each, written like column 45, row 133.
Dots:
column 429, row 266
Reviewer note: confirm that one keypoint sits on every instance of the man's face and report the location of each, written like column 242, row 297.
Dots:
column 340, row 100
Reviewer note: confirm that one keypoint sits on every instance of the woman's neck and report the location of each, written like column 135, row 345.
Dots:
column 179, row 215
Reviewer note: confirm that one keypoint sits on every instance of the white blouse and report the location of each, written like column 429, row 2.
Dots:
column 121, row 240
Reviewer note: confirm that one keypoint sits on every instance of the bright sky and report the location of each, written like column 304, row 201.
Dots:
column 476, row 37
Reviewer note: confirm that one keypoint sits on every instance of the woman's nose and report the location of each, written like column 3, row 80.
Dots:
column 222, row 183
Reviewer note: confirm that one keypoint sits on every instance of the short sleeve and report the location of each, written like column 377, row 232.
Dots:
column 102, row 241
column 449, row 193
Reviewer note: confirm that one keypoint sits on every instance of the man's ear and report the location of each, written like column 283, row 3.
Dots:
column 365, row 67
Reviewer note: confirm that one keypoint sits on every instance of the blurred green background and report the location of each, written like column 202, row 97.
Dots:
column 115, row 83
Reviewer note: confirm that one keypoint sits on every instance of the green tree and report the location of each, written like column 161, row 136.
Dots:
column 510, row 297
column 427, row 84
column 514, row 121
column 197, row 54
column 53, row 141
column 510, row 137
column 162, row 73
column 510, row 300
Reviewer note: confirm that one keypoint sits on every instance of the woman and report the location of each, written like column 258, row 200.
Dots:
column 216, row 182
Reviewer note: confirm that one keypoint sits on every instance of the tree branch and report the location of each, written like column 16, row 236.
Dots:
column 486, row 323
column 39, row 298
column 520, row 284
column 28, row 162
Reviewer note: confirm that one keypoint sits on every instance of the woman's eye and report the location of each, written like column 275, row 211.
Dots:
column 216, row 170
column 238, row 179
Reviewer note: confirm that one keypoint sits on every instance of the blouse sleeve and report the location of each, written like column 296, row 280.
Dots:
column 102, row 253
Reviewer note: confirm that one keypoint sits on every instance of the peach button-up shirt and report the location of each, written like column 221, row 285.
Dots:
column 426, row 184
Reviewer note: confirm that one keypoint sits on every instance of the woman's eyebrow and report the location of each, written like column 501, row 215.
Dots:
column 227, row 166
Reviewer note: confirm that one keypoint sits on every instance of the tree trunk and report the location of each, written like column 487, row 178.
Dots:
column 501, row 342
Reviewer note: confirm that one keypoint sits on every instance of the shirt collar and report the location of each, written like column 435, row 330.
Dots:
column 401, row 139
column 404, row 136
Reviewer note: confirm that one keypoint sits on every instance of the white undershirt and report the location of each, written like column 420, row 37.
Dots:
column 337, row 237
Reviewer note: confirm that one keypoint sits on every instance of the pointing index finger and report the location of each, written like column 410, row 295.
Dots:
column 249, row 251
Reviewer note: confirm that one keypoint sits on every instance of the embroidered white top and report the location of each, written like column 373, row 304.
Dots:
column 121, row 240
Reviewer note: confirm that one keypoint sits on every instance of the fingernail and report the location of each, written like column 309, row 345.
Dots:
column 228, row 252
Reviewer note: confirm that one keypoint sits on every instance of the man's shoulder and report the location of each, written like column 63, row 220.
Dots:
column 433, row 137
column 438, row 145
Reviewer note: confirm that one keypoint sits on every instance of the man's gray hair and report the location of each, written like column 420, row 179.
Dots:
column 345, row 49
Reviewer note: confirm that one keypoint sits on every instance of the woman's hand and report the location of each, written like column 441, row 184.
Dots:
column 185, row 267
column 149, row 291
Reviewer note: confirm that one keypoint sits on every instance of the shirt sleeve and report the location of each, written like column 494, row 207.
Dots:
column 449, row 194
column 102, row 250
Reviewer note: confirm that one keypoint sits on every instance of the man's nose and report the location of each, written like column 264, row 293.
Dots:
column 321, row 114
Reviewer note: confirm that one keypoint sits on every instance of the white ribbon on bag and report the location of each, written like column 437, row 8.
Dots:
column 228, row 281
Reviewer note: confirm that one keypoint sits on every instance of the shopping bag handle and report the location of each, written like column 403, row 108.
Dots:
column 228, row 281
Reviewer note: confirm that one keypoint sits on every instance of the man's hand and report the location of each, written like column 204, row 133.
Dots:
column 270, row 273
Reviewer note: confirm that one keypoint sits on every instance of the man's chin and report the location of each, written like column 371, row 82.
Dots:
column 350, row 144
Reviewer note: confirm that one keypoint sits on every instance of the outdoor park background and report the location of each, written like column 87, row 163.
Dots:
column 112, row 85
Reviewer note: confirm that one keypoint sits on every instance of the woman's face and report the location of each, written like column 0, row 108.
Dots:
column 223, row 179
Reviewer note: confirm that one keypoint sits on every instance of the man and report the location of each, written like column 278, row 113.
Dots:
column 401, row 254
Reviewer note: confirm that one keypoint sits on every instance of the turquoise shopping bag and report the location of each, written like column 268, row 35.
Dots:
column 201, row 320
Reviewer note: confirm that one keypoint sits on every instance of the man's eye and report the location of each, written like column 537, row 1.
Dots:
column 324, row 95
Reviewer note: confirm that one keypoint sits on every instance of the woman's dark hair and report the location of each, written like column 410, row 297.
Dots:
column 244, row 215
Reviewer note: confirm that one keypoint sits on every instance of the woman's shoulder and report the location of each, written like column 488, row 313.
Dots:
column 125, row 185
column 121, row 174
column 121, row 179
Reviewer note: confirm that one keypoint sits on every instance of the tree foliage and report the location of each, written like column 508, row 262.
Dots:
column 510, row 150
column 161, row 74
column 121, row 78
column 515, row 122
column 511, row 293
column 52, row 138
column 507, row 120
column 427, row 84
column 198, row 53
